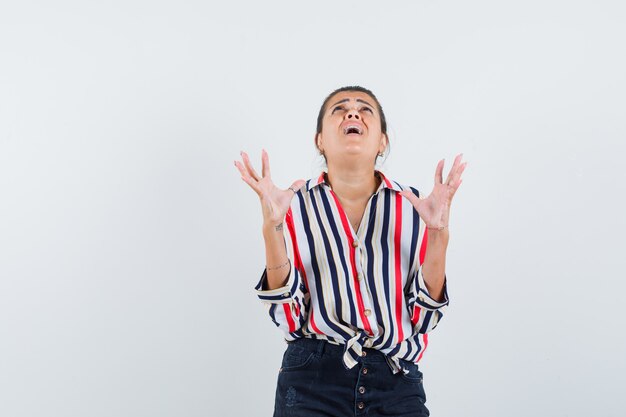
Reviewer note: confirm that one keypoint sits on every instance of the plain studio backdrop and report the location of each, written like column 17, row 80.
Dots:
column 129, row 246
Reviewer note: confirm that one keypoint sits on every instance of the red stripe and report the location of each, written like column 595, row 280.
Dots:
column 425, row 339
column 423, row 247
column 397, row 253
column 359, row 299
column 292, row 324
column 386, row 181
column 294, row 243
column 418, row 310
column 416, row 315
column 298, row 265
column 312, row 321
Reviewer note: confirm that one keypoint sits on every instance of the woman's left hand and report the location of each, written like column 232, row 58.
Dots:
column 435, row 209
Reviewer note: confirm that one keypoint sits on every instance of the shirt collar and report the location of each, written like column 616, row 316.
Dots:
column 385, row 183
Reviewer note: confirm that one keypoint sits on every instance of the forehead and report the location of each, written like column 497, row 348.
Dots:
column 352, row 96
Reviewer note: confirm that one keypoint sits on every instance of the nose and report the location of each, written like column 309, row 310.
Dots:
column 353, row 114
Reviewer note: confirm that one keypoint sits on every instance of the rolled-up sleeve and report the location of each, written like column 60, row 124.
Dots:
column 282, row 294
column 426, row 311
column 286, row 305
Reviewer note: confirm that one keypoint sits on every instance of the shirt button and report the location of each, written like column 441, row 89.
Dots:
column 367, row 312
column 360, row 276
column 364, row 371
column 286, row 294
column 361, row 390
column 364, row 353
column 355, row 244
column 361, row 406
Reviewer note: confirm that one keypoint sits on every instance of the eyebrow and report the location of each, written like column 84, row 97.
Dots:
column 347, row 99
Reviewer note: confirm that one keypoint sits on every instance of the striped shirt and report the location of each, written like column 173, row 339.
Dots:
column 360, row 288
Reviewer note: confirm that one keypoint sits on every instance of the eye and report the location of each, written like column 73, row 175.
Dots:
column 337, row 108
column 367, row 109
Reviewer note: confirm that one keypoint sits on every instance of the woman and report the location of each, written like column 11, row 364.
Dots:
column 355, row 274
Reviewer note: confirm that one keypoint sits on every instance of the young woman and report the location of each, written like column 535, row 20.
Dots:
column 355, row 270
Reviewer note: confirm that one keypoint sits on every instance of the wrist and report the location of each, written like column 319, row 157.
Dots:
column 273, row 228
column 437, row 228
column 439, row 234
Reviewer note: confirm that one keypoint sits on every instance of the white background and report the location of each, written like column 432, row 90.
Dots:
column 129, row 246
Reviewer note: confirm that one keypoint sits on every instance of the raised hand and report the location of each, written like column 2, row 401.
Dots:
column 274, row 201
column 435, row 209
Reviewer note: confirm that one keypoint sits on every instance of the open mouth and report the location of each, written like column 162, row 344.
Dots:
column 352, row 130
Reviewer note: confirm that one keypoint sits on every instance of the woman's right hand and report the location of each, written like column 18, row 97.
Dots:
column 274, row 201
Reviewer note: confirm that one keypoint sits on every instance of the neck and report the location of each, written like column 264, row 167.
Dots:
column 352, row 183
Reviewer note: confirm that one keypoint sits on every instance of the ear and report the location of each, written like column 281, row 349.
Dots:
column 318, row 141
column 384, row 141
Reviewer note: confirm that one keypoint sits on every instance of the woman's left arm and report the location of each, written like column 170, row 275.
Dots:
column 434, row 266
column 435, row 211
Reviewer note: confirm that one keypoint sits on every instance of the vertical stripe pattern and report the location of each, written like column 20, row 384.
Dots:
column 360, row 288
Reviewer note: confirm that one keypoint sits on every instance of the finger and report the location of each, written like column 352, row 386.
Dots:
column 456, row 179
column 455, row 166
column 248, row 165
column 243, row 170
column 439, row 172
column 457, row 185
column 243, row 164
column 253, row 184
column 297, row 185
column 265, row 164
column 247, row 178
column 415, row 201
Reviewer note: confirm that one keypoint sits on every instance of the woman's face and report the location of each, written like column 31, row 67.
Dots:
column 351, row 129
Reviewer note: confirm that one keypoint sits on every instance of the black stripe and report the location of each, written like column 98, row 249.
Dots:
column 369, row 247
column 416, row 339
column 273, row 314
column 424, row 324
column 385, row 238
column 316, row 269
column 414, row 238
column 344, row 264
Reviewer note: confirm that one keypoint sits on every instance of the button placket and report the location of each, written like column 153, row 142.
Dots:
column 365, row 293
column 361, row 285
column 361, row 390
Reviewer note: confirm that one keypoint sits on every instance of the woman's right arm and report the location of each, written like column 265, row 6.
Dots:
column 281, row 286
column 275, row 254
column 274, row 204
